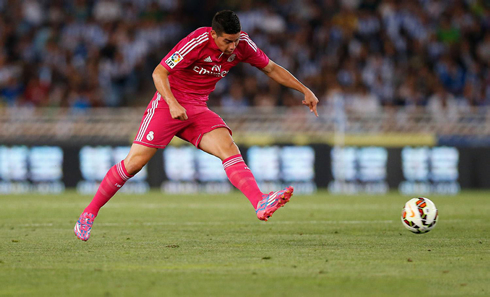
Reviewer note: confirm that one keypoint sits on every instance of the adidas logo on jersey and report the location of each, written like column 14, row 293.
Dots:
column 208, row 59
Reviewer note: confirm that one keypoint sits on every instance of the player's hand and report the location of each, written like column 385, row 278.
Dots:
column 178, row 112
column 311, row 101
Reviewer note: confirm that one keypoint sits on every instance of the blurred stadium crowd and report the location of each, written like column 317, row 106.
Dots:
column 367, row 53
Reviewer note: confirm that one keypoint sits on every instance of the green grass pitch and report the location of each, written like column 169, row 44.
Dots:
column 213, row 245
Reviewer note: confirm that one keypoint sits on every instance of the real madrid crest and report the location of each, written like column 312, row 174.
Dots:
column 231, row 58
column 150, row 136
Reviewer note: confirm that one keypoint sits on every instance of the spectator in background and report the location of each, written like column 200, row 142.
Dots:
column 335, row 97
column 265, row 100
column 451, row 75
column 36, row 92
column 272, row 23
column 448, row 33
column 7, row 70
column 346, row 20
column 483, row 50
column 107, row 10
column 364, row 102
column 234, row 100
column 32, row 12
column 408, row 94
column 443, row 105
column 11, row 92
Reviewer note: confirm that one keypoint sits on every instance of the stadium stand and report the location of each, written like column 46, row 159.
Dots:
column 373, row 53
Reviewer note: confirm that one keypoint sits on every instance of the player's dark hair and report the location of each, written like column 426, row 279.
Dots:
column 226, row 21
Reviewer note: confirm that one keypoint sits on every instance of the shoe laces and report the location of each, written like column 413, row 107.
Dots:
column 87, row 219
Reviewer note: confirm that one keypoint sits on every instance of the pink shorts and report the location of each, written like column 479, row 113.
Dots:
column 157, row 127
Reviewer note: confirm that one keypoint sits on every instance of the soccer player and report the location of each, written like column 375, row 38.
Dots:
column 183, row 80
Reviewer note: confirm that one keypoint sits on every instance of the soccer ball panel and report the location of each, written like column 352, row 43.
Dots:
column 419, row 215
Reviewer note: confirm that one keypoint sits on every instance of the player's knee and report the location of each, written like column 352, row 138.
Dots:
column 134, row 164
column 229, row 149
column 232, row 146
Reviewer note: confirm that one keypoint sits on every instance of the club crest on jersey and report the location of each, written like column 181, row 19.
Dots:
column 150, row 136
column 173, row 60
column 231, row 58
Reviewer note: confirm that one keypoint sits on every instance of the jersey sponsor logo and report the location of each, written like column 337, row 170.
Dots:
column 215, row 71
column 150, row 136
column 231, row 58
column 173, row 60
column 208, row 59
column 216, row 68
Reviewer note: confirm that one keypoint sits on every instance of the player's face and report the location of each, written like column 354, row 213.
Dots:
column 227, row 43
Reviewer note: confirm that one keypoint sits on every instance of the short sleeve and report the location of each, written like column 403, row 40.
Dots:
column 254, row 55
column 185, row 52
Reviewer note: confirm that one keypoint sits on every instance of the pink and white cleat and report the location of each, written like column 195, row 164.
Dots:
column 84, row 225
column 270, row 203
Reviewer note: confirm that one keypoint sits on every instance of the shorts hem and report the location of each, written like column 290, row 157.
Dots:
column 198, row 141
column 158, row 146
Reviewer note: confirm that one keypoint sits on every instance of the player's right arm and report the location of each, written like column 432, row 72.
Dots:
column 160, row 78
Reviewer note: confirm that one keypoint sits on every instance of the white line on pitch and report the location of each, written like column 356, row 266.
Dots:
column 217, row 223
column 242, row 223
column 36, row 225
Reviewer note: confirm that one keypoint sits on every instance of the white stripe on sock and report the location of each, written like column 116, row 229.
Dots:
column 120, row 170
column 233, row 162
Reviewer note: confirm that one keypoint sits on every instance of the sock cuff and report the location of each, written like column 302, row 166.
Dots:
column 232, row 161
column 121, row 170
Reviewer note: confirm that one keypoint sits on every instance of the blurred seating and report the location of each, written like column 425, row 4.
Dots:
column 85, row 54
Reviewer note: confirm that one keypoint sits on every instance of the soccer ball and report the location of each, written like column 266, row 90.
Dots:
column 419, row 215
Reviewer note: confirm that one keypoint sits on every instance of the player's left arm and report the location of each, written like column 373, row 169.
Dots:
column 285, row 78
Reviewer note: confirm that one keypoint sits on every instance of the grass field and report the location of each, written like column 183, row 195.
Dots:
column 205, row 245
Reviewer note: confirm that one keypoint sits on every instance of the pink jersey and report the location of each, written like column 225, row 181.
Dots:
column 196, row 64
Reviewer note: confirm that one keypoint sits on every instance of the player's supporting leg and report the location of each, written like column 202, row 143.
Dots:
column 115, row 178
column 219, row 143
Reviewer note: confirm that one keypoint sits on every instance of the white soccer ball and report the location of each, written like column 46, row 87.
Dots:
column 419, row 215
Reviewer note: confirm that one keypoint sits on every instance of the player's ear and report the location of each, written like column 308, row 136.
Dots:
column 214, row 34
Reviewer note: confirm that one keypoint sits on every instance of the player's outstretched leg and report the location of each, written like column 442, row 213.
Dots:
column 219, row 143
column 272, row 202
column 241, row 177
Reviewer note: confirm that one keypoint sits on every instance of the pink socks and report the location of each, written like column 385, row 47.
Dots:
column 242, row 178
column 112, row 182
